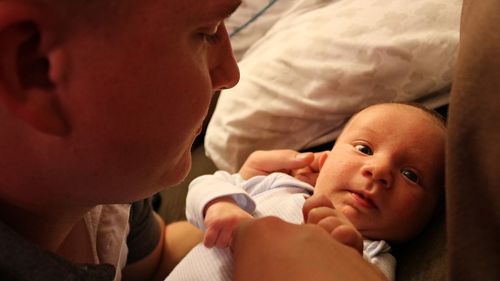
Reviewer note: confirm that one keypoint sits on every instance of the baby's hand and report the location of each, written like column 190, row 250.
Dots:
column 320, row 211
column 222, row 216
column 265, row 162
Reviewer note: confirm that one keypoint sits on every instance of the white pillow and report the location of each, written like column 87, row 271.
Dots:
column 325, row 60
column 252, row 20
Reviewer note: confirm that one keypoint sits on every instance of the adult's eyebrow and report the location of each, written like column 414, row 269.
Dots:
column 221, row 9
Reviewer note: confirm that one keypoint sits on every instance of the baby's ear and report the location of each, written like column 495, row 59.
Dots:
column 322, row 159
column 26, row 89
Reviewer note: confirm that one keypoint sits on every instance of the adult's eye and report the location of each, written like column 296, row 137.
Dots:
column 211, row 34
column 211, row 38
column 364, row 149
column 409, row 174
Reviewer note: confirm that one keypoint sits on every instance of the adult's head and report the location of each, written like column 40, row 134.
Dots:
column 385, row 171
column 100, row 100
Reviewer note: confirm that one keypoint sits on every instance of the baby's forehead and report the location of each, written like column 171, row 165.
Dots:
column 410, row 125
column 395, row 114
column 395, row 108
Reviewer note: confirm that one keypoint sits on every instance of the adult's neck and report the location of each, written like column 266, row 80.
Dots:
column 46, row 226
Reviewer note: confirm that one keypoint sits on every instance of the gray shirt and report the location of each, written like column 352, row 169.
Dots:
column 22, row 260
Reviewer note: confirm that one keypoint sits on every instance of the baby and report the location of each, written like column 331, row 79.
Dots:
column 384, row 176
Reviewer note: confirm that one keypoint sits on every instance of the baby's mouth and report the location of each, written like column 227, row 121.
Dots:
column 363, row 200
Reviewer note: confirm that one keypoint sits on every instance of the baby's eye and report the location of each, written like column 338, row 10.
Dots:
column 364, row 149
column 412, row 176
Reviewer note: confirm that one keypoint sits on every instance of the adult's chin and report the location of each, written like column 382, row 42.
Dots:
column 176, row 174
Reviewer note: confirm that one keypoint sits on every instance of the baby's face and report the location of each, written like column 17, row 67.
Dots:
column 385, row 171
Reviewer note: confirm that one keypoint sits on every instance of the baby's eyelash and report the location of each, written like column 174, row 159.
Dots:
column 365, row 149
column 410, row 175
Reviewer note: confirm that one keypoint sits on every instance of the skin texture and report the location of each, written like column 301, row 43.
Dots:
column 385, row 171
column 382, row 179
column 100, row 103
column 295, row 252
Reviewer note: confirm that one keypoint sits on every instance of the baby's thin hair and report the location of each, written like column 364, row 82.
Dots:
column 440, row 120
column 434, row 114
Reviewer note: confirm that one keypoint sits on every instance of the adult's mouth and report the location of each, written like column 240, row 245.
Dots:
column 198, row 130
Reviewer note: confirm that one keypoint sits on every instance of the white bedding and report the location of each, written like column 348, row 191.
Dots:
column 317, row 62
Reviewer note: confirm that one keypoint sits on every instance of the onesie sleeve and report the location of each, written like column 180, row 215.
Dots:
column 379, row 254
column 206, row 188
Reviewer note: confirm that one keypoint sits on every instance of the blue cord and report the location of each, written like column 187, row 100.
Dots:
column 252, row 19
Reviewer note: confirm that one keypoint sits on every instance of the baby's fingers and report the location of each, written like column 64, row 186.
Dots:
column 317, row 214
column 210, row 238
column 224, row 239
column 337, row 226
column 313, row 204
column 348, row 235
column 329, row 223
column 344, row 233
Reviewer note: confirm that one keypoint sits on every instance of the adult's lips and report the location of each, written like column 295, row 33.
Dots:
column 198, row 131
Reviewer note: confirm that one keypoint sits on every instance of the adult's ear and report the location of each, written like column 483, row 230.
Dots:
column 26, row 88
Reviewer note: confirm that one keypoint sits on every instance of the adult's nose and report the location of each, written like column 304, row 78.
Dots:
column 224, row 73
